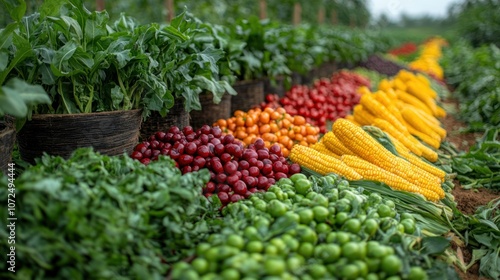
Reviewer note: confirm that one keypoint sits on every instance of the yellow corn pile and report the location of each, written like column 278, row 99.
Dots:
column 405, row 108
column 428, row 60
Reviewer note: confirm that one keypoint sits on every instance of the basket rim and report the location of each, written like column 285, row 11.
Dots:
column 105, row 113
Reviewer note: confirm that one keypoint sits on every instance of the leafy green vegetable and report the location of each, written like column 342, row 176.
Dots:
column 474, row 75
column 484, row 235
column 480, row 167
column 94, row 217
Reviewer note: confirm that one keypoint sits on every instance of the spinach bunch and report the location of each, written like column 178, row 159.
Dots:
column 99, row 217
column 480, row 167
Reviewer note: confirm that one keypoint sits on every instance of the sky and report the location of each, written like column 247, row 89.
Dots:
column 394, row 8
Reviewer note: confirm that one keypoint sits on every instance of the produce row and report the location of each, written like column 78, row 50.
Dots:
column 231, row 199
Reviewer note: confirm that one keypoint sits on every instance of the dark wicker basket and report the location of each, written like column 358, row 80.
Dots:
column 7, row 140
column 176, row 116
column 276, row 87
column 326, row 70
column 210, row 112
column 110, row 133
column 250, row 95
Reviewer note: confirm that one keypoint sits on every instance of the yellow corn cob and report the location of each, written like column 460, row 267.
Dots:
column 363, row 90
column 415, row 160
column 366, row 147
column 431, row 122
column 424, row 138
column 428, row 117
column 391, row 130
column 415, row 120
column 372, row 172
column 320, row 147
column 405, row 75
column 362, row 116
column 412, row 100
column 379, row 110
column 381, row 97
column 398, row 84
column 422, row 93
column 321, row 163
column 384, row 85
column 440, row 112
column 423, row 79
column 351, row 119
column 333, row 144
column 391, row 94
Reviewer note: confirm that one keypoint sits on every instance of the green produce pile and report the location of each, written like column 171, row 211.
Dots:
column 480, row 166
column 100, row 217
column 473, row 73
column 316, row 228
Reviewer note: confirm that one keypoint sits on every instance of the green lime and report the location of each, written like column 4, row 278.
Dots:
column 391, row 265
column 320, row 213
column 200, row 265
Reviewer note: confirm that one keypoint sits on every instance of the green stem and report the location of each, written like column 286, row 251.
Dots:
column 88, row 108
column 126, row 97
column 60, row 89
column 77, row 100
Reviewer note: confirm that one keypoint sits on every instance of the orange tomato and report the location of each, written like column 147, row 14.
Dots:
column 274, row 127
column 241, row 134
column 269, row 137
column 311, row 130
column 286, row 123
column 239, row 113
column 240, row 121
column 281, row 110
column 269, row 110
column 299, row 120
column 264, row 128
column 264, row 117
column 249, row 121
column 311, row 139
column 254, row 129
column 298, row 137
column 275, row 115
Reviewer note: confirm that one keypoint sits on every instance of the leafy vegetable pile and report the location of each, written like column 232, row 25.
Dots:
column 480, row 166
column 474, row 72
column 96, row 217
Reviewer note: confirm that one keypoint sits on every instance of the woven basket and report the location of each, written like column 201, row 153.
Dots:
column 278, row 87
column 176, row 116
column 250, row 95
column 326, row 70
column 7, row 140
column 210, row 112
column 110, row 133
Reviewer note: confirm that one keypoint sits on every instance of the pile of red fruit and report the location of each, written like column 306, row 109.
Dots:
column 326, row 100
column 236, row 172
column 404, row 49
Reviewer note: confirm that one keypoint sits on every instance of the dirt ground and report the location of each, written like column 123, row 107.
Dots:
column 467, row 200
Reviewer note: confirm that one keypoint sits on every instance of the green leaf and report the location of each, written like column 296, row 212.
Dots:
column 60, row 63
column 6, row 35
column 15, row 8
column 434, row 245
column 51, row 7
column 17, row 95
column 116, row 96
column 4, row 60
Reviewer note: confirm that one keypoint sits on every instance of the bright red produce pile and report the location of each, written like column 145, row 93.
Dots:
column 404, row 49
column 236, row 172
column 326, row 100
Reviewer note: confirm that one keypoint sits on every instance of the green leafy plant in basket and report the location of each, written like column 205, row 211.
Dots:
column 16, row 95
